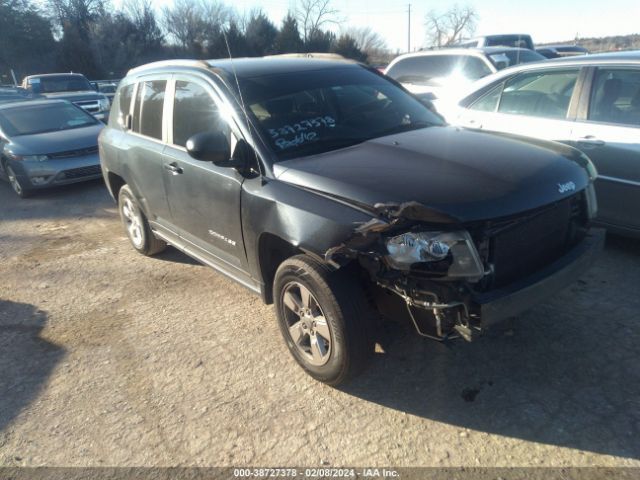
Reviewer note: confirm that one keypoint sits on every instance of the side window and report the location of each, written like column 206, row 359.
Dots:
column 421, row 69
column 539, row 94
column 121, row 107
column 489, row 101
column 474, row 68
column 147, row 114
column 194, row 111
column 616, row 97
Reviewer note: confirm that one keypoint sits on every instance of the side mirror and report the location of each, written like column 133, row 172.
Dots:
column 210, row 147
column 426, row 99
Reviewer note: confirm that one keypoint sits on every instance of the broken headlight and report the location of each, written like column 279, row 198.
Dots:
column 453, row 250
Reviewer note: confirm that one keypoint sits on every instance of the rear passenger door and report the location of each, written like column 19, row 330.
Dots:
column 532, row 103
column 144, row 147
column 204, row 199
column 608, row 131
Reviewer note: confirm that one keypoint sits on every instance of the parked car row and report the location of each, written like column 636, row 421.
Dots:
column 49, row 130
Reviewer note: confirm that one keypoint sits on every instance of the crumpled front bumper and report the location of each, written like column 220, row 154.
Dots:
column 509, row 301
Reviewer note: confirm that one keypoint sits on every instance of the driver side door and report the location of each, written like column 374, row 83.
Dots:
column 204, row 199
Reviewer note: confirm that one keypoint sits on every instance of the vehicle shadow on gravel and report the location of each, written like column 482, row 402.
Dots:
column 174, row 255
column 86, row 199
column 26, row 360
column 566, row 373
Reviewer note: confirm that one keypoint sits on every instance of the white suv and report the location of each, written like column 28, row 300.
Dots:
column 443, row 74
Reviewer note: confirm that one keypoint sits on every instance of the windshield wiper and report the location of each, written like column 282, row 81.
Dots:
column 404, row 128
column 322, row 146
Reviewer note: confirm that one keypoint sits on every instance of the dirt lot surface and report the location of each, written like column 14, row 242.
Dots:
column 111, row 358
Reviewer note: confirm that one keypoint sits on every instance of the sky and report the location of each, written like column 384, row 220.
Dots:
column 545, row 20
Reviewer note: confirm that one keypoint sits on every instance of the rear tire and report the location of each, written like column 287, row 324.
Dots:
column 136, row 225
column 324, row 318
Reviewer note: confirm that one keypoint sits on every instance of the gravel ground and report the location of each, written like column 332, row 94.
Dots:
column 111, row 358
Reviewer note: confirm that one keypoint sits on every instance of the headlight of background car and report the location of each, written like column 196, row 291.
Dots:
column 104, row 104
column 454, row 251
column 26, row 158
column 35, row 158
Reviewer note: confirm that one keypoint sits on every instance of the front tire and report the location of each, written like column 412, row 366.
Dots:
column 136, row 225
column 17, row 187
column 324, row 318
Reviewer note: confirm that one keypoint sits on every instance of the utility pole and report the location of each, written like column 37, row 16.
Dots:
column 408, row 28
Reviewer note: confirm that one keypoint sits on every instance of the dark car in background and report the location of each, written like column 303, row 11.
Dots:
column 557, row 51
column 517, row 40
column 106, row 87
column 73, row 87
column 590, row 102
column 45, row 143
column 341, row 198
column 9, row 94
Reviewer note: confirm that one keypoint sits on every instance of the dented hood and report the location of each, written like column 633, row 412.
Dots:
column 463, row 174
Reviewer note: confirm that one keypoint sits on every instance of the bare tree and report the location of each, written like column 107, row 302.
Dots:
column 445, row 28
column 313, row 15
column 370, row 42
column 191, row 22
column 368, row 39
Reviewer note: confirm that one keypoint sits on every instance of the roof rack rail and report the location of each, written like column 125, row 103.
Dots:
column 169, row 63
column 320, row 55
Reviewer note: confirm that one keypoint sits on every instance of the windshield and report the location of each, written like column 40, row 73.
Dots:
column 509, row 58
column 438, row 70
column 519, row 41
column 306, row 113
column 59, row 83
column 33, row 119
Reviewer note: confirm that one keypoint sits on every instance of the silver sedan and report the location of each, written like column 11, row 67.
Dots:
column 47, row 143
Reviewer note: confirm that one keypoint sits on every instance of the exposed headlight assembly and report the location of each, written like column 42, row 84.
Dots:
column 453, row 250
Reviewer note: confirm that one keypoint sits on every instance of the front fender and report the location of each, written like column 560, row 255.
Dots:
column 306, row 220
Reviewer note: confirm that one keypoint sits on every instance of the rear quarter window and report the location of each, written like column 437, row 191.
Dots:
column 121, row 107
column 147, row 114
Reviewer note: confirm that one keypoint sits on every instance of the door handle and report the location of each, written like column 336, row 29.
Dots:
column 173, row 168
column 591, row 141
column 473, row 123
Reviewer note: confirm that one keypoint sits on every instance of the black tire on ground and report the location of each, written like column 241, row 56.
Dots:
column 18, row 188
column 140, row 235
column 342, row 302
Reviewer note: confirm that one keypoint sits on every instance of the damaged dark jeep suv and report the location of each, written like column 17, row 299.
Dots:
column 338, row 196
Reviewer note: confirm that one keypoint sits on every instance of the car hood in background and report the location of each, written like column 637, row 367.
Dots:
column 56, row 142
column 464, row 174
column 74, row 96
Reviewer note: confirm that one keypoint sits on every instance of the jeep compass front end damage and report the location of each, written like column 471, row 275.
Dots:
column 454, row 280
column 340, row 198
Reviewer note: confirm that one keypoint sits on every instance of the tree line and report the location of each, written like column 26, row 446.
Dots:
column 94, row 38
